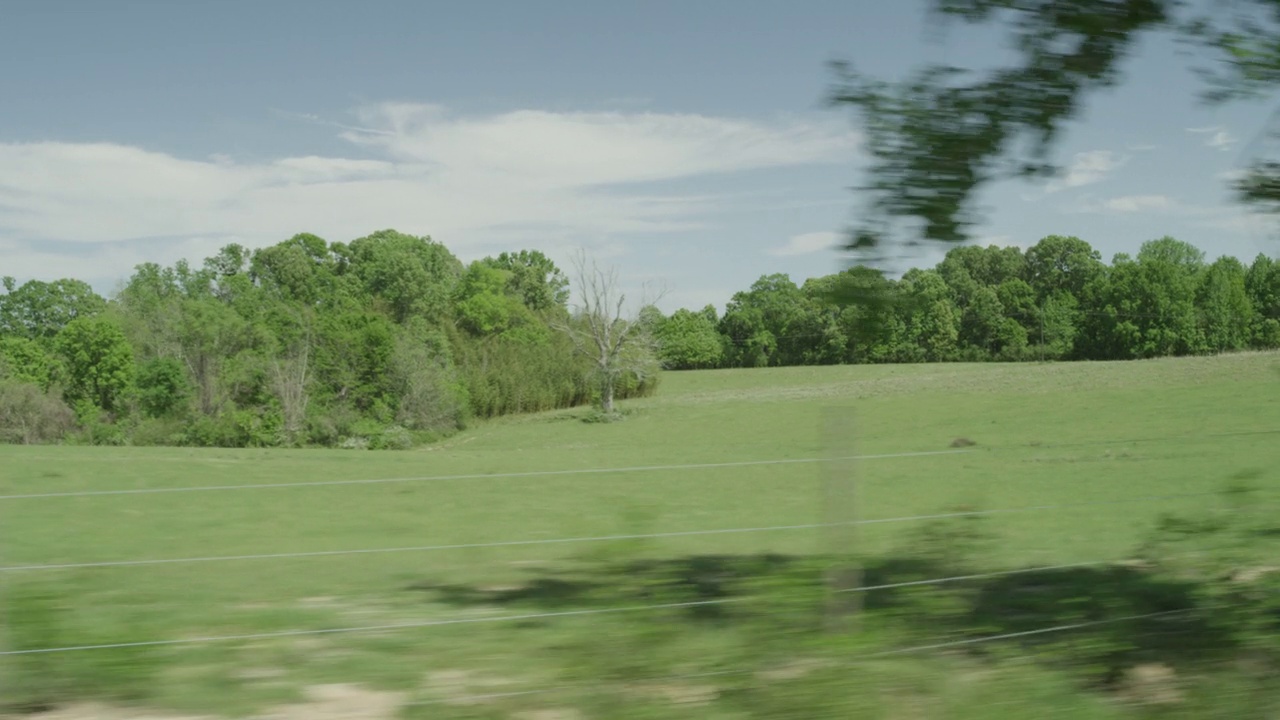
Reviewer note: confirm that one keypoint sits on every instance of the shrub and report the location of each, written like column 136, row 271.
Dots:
column 394, row 438
column 158, row 431
column 29, row 415
column 354, row 443
column 96, row 426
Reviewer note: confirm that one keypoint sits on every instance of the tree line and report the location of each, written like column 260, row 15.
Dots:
column 386, row 341
column 390, row 340
column 1057, row 300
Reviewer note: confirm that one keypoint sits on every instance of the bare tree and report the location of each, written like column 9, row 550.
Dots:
column 617, row 343
column 291, row 380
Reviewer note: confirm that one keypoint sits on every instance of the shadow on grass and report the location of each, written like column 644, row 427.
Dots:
column 971, row 608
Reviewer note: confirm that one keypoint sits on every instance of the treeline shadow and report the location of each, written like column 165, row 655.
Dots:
column 1091, row 603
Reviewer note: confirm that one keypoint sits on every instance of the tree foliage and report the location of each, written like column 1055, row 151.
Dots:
column 940, row 135
column 99, row 362
column 381, row 342
column 1056, row 300
column 296, row 344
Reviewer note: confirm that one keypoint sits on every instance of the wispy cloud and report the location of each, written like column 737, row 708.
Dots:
column 1222, row 140
column 1086, row 168
column 470, row 181
column 808, row 243
column 1093, row 205
column 1137, row 203
column 1219, row 137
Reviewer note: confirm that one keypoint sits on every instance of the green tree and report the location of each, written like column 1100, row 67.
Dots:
column 99, row 362
column 1146, row 307
column 424, row 380
column 535, row 279
column 747, row 341
column 688, row 340
column 869, row 314
column 1226, row 315
column 488, row 303
column 162, row 386
column 1262, row 282
column 931, row 318
column 410, row 275
column 771, row 323
column 28, row 361
column 302, row 269
column 1059, row 265
column 209, row 335
column 40, row 310
column 986, row 329
column 352, row 362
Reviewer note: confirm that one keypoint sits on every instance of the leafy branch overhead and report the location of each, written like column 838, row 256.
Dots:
column 937, row 137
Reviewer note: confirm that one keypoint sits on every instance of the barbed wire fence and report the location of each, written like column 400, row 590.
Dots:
column 840, row 511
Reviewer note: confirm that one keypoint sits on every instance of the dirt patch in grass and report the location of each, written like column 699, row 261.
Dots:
column 549, row 714
column 340, row 702
column 464, row 687
column 321, row 702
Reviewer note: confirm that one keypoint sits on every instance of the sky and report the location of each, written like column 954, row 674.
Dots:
column 687, row 144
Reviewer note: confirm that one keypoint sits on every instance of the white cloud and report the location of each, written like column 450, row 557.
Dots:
column 1221, row 138
column 808, row 243
column 563, row 178
column 585, row 149
column 1137, row 203
column 1086, row 168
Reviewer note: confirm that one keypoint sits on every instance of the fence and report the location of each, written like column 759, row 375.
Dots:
column 843, row 518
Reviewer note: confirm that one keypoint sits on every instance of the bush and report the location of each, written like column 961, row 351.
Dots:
column 394, row 438
column 96, row 427
column 158, row 431
column 29, row 415
column 258, row 427
column 354, row 443
column 367, row 434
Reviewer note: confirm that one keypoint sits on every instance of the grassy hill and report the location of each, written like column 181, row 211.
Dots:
column 708, row 492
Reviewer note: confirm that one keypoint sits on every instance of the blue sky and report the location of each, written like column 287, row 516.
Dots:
column 686, row 143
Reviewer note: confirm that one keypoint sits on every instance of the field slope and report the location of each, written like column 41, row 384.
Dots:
column 1063, row 464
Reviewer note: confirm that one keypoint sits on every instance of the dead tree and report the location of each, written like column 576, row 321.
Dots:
column 617, row 344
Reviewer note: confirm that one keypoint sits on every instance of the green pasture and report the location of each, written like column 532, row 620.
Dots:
column 1077, row 461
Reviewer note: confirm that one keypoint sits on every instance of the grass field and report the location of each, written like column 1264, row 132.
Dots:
column 1080, row 460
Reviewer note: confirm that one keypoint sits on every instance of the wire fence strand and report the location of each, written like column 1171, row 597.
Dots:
column 375, row 628
column 477, row 476
column 590, row 539
column 525, row 617
column 629, row 469
column 844, row 663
